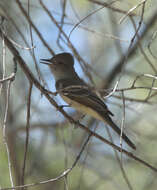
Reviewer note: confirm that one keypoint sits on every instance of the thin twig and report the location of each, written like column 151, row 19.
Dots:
column 130, row 11
column 110, row 7
column 27, row 134
column 33, row 26
column 5, row 135
column 62, row 22
column 83, row 20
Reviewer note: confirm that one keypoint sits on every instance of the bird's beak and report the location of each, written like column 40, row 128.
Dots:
column 45, row 61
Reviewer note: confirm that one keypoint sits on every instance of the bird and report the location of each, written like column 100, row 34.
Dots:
column 77, row 94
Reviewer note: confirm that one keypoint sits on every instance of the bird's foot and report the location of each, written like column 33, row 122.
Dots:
column 78, row 121
column 63, row 106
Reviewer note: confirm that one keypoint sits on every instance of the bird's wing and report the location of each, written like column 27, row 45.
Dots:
column 83, row 95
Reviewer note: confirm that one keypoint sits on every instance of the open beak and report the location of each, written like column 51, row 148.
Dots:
column 45, row 61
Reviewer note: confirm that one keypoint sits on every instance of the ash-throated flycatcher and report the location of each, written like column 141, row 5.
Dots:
column 76, row 93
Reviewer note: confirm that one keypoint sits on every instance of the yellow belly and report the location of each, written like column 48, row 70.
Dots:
column 82, row 108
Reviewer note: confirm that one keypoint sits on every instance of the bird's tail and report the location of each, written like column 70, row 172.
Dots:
column 118, row 131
